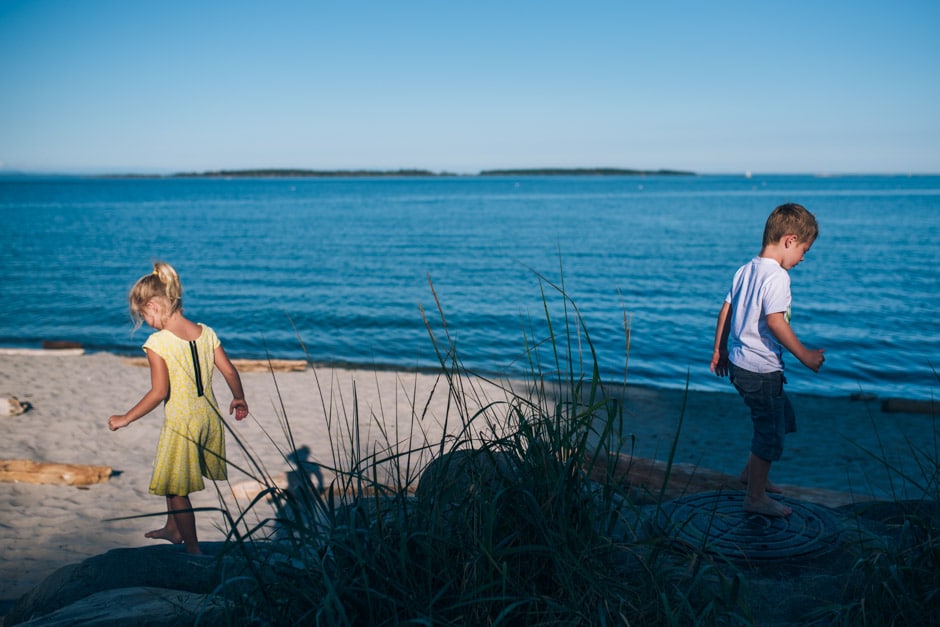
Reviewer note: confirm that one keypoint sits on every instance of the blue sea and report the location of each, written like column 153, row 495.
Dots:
column 363, row 271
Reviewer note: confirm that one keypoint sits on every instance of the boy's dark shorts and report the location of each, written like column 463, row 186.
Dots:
column 771, row 410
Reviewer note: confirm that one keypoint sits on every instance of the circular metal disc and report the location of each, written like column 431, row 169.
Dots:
column 715, row 522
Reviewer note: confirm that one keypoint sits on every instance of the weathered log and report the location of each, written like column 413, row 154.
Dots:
column 247, row 365
column 908, row 406
column 648, row 478
column 248, row 490
column 264, row 365
column 27, row 471
column 58, row 345
column 12, row 406
column 39, row 352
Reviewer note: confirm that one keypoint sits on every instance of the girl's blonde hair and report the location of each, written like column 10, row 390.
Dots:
column 163, row 283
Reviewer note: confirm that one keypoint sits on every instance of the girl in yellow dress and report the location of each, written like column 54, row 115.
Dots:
column 182, row 356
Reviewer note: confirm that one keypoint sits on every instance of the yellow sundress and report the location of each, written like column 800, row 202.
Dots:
column 192, row 441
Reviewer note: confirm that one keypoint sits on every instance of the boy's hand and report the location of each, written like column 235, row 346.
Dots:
column 719, row 363
column 813, row 359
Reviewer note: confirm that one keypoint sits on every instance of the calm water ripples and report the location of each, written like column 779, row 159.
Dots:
column 346, row 265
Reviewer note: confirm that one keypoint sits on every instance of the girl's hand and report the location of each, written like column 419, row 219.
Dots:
column 239, row 407
column 116, row 422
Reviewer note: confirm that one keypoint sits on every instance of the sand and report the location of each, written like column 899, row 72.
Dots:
column 44, row 527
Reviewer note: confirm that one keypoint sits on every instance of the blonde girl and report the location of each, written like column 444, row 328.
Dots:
column 182, row 356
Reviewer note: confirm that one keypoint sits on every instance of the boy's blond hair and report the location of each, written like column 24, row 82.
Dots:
column 790, row 219
column 164, row 283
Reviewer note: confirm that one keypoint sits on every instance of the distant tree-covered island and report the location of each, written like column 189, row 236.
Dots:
column 301, row 173
column 583, row 172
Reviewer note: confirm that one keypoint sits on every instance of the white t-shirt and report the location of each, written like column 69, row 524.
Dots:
column 760, row 287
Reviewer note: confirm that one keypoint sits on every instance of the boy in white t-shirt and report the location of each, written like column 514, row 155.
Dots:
column 755, row 321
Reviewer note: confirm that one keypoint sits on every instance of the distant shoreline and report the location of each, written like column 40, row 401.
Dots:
column 405, row 173
column 287, row 173
column 911, row 405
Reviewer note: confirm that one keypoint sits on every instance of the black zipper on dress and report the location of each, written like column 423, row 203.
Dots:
column 198, row 372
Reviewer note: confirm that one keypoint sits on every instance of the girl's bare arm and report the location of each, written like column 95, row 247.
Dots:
column 159, row 388
column 238, row 406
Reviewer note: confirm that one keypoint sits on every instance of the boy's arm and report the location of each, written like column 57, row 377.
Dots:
column 811, row 358
column 719, row 363
column 239, row 406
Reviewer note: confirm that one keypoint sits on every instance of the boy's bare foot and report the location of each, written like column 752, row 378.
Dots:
column 165, row 534
column 766, row 507
column 770, row 487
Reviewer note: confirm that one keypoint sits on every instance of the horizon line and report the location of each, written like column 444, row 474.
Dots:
column 289, row 172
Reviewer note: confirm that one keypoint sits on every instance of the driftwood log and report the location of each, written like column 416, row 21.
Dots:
column 908, row 406
column 644, row 478
column 26, row 471
column 648, row 478
column 12, row 406
column 247, row 365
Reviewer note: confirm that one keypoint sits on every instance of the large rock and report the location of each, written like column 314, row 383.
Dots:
column 162, row 585
column 154, row 607
column 160, row 566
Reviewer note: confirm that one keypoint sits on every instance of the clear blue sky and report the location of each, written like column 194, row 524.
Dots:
column 714, row 87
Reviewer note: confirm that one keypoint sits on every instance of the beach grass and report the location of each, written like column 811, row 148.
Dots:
column 498, row 522
column 899, row 575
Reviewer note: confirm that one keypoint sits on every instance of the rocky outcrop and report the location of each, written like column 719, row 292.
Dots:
column 162, row 585
column 105, row 584
column 142, row 605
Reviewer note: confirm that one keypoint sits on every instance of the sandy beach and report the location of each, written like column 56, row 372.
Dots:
column 44, row 527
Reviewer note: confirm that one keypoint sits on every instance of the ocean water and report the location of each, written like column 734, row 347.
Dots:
column 362, row 271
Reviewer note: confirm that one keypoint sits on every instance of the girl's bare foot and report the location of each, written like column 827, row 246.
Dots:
column 165, row 534
column 766, row 507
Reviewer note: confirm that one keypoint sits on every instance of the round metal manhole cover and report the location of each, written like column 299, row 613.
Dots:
column 715, row 522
